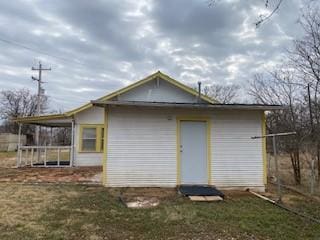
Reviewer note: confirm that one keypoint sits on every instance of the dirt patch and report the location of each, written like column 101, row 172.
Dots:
column 8, row 159
column 51, row 175
column 131, row 193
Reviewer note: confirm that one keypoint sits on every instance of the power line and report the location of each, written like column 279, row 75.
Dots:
column 38, row 51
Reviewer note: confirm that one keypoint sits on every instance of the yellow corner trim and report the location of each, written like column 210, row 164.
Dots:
column 264, row 148
column 98, row 128
column 178, row 132
column 104, row 159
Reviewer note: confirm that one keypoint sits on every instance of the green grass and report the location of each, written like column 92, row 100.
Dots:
column 83, row 212
column 7, row 154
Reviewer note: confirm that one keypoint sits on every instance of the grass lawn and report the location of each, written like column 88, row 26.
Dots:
column 93, row 212
column 7, row 154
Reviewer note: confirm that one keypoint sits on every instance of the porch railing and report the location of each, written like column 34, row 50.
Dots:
column 44, row 156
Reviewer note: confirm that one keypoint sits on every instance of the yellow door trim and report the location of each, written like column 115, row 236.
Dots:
column 104, row 158
column 264, row 147
column 178, row 131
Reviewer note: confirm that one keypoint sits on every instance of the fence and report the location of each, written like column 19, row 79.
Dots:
column 44, row 156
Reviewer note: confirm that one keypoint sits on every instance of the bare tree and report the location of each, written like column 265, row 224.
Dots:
column 305, row 57
column 279, row 88
column 18, row 103
column 223, row 93
column 271, row 5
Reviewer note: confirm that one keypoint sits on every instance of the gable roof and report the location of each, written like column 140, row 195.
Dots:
column 107, row 97
column 139, row 83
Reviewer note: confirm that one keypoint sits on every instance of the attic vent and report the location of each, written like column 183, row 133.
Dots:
column 157, row 82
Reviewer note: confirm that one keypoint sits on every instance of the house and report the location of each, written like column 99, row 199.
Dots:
column 159, row 132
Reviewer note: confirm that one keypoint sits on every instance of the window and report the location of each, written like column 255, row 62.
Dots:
column 91, row 138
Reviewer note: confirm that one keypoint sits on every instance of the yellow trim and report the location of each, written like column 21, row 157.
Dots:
column 139, row 83
column 98, row 137
column 121, row 91
column 178, row 132
column 264, row 148
column 39, row 118
column 104, row 159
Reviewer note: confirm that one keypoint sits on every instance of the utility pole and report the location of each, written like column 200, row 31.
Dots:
column 40, row 92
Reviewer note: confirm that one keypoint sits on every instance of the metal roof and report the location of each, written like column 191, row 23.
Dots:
column 190, row 105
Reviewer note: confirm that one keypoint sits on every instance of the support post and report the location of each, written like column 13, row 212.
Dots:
column 45, row 156
column 58, row 156
column 72, row 144
column 50, row 136
column 277, row 167
column 32, row 154
column 312, row 177
column 26, row 157
column 38, row 143
column 19, row 146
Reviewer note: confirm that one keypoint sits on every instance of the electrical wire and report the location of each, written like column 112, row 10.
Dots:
column 38, row 51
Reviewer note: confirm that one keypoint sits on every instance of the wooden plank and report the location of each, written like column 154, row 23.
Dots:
column 205, row 198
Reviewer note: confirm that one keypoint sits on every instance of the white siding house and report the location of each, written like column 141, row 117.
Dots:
column 159, row 132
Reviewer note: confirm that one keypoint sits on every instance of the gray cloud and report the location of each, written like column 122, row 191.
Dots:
column 104, row 45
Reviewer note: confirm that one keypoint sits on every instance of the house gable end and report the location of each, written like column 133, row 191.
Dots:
column 158, row 90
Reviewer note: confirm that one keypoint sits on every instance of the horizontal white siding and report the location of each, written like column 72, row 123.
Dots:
column 236, row 158
column 141, row 149
column 94, row 115
column 161, row 91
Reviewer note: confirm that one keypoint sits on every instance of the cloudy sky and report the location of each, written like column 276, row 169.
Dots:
column 99, row 46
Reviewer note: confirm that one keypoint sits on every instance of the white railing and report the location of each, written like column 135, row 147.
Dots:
column 44, row 156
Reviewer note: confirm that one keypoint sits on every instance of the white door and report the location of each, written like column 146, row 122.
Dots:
column 193, row 152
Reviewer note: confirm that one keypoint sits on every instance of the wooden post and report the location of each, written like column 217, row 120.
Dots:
column 58, row 156
column 26, row 157
column 72, row 144
column 51, row 136
column 277, row 167
column 45, row 156
column 32, row 154
column 19, row 147
column 312, row 180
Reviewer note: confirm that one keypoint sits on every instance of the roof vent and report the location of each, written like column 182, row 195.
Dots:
column 199, row 92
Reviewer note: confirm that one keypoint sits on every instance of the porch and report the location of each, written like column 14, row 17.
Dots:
column 46, row 152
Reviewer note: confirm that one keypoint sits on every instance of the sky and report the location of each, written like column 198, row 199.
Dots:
column 96, row 47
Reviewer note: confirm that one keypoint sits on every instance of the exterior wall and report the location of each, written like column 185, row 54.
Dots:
column 94, row 115
column 158, row 91
column 141, row 148
column 237, row 160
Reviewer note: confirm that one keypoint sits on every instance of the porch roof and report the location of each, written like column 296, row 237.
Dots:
column 217, row 106
column 53, row 120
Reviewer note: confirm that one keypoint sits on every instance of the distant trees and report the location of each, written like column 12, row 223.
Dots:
column 279, row 88
column 18, row 103
column 296, row 84
column 222, row 93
